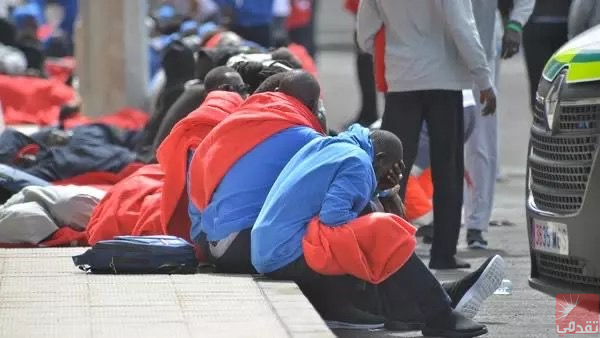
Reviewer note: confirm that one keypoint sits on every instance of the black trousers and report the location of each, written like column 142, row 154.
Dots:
column 258, row 34
column 410, row 294
column 540, row 41
column 442, row 110
column 236, row 258
column 366, row 81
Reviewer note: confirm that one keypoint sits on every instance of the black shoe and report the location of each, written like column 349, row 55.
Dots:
column 453, row 325
column 403, row 325
column 448, row 263
column 475, row 239
column 350, row 317
column 426, row 231
column 469, row 293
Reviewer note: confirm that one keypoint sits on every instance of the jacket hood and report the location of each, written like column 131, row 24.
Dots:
column 359, row 135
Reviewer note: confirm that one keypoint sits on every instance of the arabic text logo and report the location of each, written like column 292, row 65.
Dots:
column 577, row 313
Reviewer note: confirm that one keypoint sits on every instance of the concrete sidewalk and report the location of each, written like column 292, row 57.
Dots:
column 42, row 294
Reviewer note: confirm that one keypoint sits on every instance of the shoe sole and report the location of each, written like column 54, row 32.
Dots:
column 477, row 245
column 452, row 334
column 485, row 286
column 332, row 324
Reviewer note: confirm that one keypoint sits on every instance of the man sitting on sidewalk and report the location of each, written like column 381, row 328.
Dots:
column 335, row 177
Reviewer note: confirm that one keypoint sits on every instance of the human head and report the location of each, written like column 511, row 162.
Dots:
column 255, row 73
column 178, row 62
column 225, row 78
column 300, row 85
column 284, row 54
column 388, row 152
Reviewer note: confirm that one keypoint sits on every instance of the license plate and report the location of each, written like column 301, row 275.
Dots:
column 550, row 237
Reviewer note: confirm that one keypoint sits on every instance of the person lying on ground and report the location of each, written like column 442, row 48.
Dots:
column 308, row 231
column 233, row 169
column 152, row 201
column 35, row 213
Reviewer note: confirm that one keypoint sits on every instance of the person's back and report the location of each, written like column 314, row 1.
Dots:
column 240, row 195
column 423, row 48
column 319, row 176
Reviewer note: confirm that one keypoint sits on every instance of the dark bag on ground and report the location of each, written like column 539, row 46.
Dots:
column 139, row 255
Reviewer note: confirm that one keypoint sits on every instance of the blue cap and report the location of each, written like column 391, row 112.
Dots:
column 30, row 10
column 165, row 12
column 188, row 25
column 208, row 27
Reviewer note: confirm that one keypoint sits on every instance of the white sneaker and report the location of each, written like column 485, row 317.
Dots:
column 485, row 285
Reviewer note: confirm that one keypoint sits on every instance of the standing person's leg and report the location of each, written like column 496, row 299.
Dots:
column 445, row 121
column 481, row 162
column 258, row 34
column 540, row 41
column 368, row 93
column 403, row 116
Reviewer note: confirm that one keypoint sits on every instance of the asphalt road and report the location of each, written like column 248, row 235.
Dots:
column 525, row 313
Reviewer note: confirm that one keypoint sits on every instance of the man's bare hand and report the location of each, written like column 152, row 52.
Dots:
column 393, row 203
column 487, row 98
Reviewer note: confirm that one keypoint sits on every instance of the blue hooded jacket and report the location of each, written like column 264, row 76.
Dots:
column 239, row 197
column 331, row 177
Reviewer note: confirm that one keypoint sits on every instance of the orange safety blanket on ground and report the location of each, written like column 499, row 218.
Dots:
column 153, row 198
column 125, row 118
column 29, row 100
column 260, row 117
column 371, row 247
column 60, row 69
column 101, row 179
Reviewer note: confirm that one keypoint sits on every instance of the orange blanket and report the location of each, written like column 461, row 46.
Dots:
column 371, row 247
column 152, row 200
column 260, row 117
column 29, row 100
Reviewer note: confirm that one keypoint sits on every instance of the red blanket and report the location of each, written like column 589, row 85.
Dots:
column 153, row 197
column 187, row 134
column 29, row 100
column 260, row 117
column 371, row 247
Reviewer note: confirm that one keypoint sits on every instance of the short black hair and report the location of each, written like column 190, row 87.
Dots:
column 284, row 54
column 223, row 76
column 178, row 62
column 388, row 143
column 271, row 84
column 303, row 86
column 255, row 73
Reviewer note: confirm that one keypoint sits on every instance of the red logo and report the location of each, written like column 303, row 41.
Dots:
column 577, row 313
